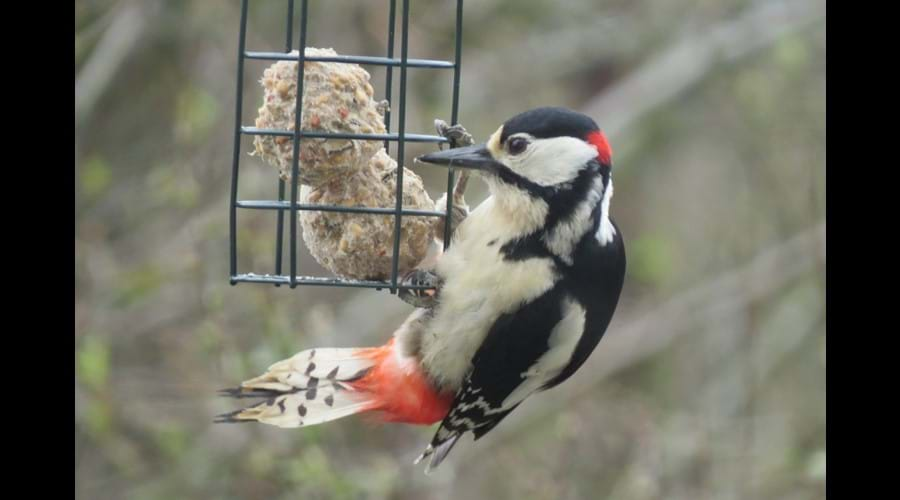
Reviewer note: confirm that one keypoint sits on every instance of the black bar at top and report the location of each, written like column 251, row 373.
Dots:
column 238, row 106
column 295, row 164
column 371, row 60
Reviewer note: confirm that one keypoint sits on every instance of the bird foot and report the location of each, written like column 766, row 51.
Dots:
column 420, row 297
column 458, row 137
column 456, row 134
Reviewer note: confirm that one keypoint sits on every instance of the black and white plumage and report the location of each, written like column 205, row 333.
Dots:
column 534, row 274
column 523, row 295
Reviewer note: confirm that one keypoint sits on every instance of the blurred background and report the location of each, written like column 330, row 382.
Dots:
column 710, row 383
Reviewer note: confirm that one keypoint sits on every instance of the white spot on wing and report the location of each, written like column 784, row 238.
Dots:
column 562, row 342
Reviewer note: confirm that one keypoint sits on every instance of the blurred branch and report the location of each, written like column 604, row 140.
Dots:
column 653, row 329
column 766, row 365
column 593, row 40
column 95, row 28
column 114, row 48
column 684, row 64
column 721, row 387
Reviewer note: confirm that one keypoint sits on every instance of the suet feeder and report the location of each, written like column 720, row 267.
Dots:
column 331, row 150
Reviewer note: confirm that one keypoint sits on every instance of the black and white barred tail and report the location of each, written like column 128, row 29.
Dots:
column 312, row 387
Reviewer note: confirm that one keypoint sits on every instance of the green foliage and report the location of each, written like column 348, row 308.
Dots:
column 314, row 473
column 651, row 259
column 173, row 440
column 95, row 177
column 98, row 419
column 92, row 362
column 794, row 54
column 138, row 284
column 196, row 111
column 170, row 186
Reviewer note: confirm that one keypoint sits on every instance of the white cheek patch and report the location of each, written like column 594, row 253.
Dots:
column 552, row 161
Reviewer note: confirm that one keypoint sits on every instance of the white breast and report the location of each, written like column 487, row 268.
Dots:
column 479, row 286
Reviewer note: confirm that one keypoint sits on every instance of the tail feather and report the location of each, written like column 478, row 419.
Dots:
column 241, row 392
column 313, row 364
column 438, row 451
column 303, row 408
column 230, row 418
column 309, row 388
column 320, row 385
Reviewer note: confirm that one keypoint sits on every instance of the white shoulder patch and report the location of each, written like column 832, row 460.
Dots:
column 606, row 232
column 562, row 240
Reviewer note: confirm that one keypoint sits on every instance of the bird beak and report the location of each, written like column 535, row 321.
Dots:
column 475, row 157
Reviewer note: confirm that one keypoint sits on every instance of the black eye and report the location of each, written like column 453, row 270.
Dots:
column 516, row 145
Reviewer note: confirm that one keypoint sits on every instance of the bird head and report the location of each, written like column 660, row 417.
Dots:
column 540, row 162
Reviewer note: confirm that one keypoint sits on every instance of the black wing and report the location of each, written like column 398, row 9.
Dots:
column 596, row 282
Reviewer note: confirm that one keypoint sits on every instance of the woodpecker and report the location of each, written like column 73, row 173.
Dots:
column 524, row 293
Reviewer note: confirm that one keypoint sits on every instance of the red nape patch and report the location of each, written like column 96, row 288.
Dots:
column 604, row 152
column 401, row 393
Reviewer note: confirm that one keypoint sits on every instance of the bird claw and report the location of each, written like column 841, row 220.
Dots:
column 383, row 107
column 420, row 297
column 458, row 137
column 456, row 134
